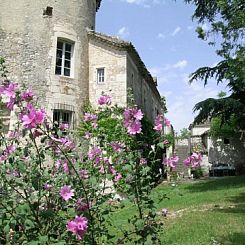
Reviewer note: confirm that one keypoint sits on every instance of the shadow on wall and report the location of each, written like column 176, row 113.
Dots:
column 218, row 184
column 231, row 153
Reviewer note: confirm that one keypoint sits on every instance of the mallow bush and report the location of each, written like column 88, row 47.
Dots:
column 60, row 186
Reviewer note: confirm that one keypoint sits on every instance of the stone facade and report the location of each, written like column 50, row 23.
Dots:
column 231, row 151
column 123, row 70
column 29, row 31
column 32, row 33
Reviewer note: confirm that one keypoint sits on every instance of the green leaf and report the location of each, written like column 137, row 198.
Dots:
column 29, row 224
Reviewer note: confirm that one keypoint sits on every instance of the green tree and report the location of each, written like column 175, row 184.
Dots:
column 226, row 19
column 184, row 134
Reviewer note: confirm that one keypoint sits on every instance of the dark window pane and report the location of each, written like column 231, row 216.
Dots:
column 59, row 45
column 68, row 47
column 67, row 72
column 59, row 54
column 66, row 117
column 67, row 64
column 58, row 70
column 59, row 62
column 67, row 55
column 56, row 116
column 101, row 72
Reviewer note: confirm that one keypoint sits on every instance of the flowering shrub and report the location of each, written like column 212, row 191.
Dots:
column 56, row 191
column 193, row 162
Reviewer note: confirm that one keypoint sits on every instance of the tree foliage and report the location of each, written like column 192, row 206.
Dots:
column 184, row 134
column 227, row 30
column 225, row 130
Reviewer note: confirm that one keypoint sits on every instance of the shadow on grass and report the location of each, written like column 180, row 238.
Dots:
column 218, row 184
column 236, row 238
column 237, row 205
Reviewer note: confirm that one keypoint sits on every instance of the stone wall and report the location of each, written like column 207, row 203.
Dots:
column 28, row 39
column 121, row 73
column 114, row 63
column 145, row 96
column 233, row 153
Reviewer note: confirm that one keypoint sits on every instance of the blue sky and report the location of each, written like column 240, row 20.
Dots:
column 164, row 35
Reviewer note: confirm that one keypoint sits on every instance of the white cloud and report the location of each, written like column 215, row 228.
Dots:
column 144, row 3
column 176, row 31
column 181, row 96
column 180, row 64
column 123, row 32
column 161, row 35
column 205, row 27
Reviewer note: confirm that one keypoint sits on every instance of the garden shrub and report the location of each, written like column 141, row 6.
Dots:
column 54, row 183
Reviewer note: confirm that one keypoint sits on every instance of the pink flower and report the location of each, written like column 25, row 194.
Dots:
column 112, row 170
column 171, row 162
column 137, row 114
column 7, row 152
column 134, row 128
column 83, row 174
column 104, row 100
column 194, row 160
column 67, row 143
column 64, row 164
column 9, row 90
column 94, row 152
column 47, row 187
column 13, row 135
column 132, row 113
column 66, row 167
column 27, row 95
column 158, row 123
column 66, row 192
column 167, row 122
column 87, row 135
column 89, row 117
column 132, row 117
column 78, row 226
column 143, row 161
column 10, row 149
column 64, row 126
column 94, row 125
column 165, row 142
column 117, row 147
column 33, row 118
column 117, row 177
column 158, row 127
column 82, row 205
column 11, row 103
column 187, row 161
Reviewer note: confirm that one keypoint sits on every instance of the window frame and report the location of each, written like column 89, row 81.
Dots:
column 64, row 51
column 98, row 76
column 61, row 116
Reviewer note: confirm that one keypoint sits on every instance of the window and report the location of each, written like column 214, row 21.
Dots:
column 64, row 55
column 100, row 75
column 62, row 116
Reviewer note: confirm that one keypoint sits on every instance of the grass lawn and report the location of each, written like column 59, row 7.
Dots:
column 200, row 211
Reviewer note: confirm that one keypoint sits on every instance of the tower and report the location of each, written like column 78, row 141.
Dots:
column 45, row 46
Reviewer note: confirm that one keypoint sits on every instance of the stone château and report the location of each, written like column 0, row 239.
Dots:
column 52, row 47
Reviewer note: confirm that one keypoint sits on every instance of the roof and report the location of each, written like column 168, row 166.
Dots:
column 120, row 44
column 98, row 2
